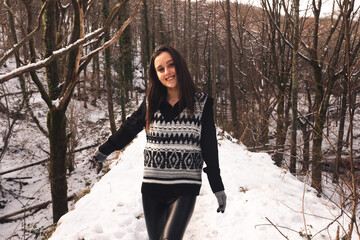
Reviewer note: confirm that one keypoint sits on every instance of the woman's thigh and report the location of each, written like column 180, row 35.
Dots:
column 178, row 217
column 155, row 212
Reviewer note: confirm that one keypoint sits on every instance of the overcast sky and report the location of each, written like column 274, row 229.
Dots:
column 326, row 9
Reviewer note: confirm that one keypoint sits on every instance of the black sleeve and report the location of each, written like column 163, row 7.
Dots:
column 209, row 147
column 127, row 131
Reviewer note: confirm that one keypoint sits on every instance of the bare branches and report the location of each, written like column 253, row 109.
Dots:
column 65, row 99
column 46, row 61
column 58, row 53
column 25, row 39
column 85, row 59
column 276, row 228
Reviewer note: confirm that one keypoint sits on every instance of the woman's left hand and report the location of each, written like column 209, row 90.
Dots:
column 221, row 198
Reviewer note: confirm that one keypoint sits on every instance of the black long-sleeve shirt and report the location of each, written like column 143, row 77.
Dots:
column 208, row 143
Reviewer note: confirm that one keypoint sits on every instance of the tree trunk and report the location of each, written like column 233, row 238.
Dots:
column 213, row 65
column 95, row 75
column 107, row 69
column 163, row 39
column 188, row 38
column 340, row 141
column 196, row 46
column 56, row 122
column 306, row 149
column 229, row 73
column 294, row 92
column 175, row 24
column 319, row 119
column 280, row 129
column 50, row 40
column 145, row 41
column 153, row 28
column 125, row 70
column 85, row 97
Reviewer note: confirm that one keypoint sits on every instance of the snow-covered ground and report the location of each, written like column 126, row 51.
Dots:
column 259, row 195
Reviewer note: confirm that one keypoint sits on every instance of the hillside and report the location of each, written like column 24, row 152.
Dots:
column 259, row 194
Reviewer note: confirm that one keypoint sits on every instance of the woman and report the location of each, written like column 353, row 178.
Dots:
column 181, row 134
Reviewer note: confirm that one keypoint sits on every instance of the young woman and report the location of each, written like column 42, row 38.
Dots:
column 181, row 135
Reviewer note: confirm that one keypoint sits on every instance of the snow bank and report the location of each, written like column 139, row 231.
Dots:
column 257, row 191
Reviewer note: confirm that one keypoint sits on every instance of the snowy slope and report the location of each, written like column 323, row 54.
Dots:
column 258, row 192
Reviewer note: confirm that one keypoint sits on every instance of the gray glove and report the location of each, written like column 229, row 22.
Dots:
column 97, row 160
column 221, row 198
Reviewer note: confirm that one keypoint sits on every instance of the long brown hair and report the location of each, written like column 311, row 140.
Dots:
column 157, row 92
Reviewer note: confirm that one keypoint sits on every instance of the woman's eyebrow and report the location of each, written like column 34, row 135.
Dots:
column 166, row 63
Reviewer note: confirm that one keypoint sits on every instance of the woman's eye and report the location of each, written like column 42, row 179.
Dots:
column 171, row 65
column 160, row 69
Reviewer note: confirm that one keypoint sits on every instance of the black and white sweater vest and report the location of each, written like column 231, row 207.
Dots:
column 172, row 154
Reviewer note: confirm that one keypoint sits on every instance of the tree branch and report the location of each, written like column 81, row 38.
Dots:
column 25, row 39
column 86, row 59
column 58, row 53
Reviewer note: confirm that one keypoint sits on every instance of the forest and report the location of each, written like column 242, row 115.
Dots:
column 285, row 78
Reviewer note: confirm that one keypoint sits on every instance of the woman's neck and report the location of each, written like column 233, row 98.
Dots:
column 173, row 96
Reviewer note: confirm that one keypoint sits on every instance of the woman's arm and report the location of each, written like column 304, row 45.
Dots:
column 127, row 131
column 209, row 147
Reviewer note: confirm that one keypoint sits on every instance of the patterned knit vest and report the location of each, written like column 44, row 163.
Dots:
column 172, row 154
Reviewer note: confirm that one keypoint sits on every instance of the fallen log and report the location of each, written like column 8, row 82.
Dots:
column 25, row 166
column 5, row 218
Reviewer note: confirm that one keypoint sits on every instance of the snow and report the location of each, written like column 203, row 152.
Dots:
column 258, row 192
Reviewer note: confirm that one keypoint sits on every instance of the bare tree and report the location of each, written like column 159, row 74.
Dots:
column 57, row 97
column 294, row 95
column 277, row 32
column 229, row 72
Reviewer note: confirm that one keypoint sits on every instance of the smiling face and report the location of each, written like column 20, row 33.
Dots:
column 165, row 70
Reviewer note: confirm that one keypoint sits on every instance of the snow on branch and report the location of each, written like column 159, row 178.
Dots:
column 58, row 53
column 25, row 39
column 42, row 63
column 86, row 59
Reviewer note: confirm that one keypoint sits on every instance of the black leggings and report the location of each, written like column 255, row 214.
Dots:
column 167, row 218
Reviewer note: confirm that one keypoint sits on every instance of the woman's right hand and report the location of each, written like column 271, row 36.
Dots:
column 97, row 160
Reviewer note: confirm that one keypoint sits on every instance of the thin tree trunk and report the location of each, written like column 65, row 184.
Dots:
column 294, row 95
column 125, row 60
column 95, row 80
column 348, row 7
column 153, row 26
column 29, row 10
column 188, row 38
column 85, row 94
column 306, row 148
column 316, row 176
column 107, row 69
column 196, row 46
column 146, row 41
column 213, row 63
column 175, row 25
column 229, row 73
column 52, row 75
column 340, row 140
